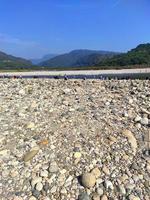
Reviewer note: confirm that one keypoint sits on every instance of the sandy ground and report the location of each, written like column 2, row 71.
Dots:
column 78, row 72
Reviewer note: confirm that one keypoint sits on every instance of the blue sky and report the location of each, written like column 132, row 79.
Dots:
column 32, row 28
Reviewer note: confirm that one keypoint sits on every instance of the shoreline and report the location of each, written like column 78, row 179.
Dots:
column 78, row 72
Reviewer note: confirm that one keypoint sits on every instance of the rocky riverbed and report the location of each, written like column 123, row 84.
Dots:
column 74, row 139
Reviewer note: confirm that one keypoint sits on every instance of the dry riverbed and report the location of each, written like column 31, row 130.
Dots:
column 74, row 139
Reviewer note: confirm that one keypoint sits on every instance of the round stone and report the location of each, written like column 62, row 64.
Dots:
column 39, row 186
column 144, row 121
column 96, row 172
column 88, row 180
column 77, row 155
column 100, row 191
column 53, row 167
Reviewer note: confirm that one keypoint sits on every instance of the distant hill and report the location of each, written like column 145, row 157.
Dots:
column 77, row 58
column 12, row 62
column 137, row 56
column 44, row 58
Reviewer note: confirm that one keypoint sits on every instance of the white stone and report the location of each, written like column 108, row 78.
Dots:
column 35, row 181
column 39, row 186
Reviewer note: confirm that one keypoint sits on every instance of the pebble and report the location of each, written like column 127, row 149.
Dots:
column 100, row 191
column 32, row 198
column 137, row 119
column 84, row 196
column 29, row 156
column 36, row 193
column 53, row 189
column 53, row 167
column 104, row 197
column 88, row 180
column 35, row 181
column 106, row 170
column 96, row 196
column 109, row 185
column 39, row 186
column 144, row 121
column 44, row 173
column 132, row 140
column 77, row 155
column 96, row 172
column 132, row 197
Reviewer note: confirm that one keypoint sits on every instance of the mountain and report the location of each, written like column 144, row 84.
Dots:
column 77, row 58
column 12, row 62
column 137, row 56
column 44, row 58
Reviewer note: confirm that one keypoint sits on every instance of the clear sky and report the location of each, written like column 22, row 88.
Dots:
column 32, row 28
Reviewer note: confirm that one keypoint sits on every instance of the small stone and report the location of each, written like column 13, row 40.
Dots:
column 138, row 125
column 39, row 186
column 44, row 173
column 132, row 197
column 36, row 193
column 63, row 191
column 66, row 91
column 148, row 168
column 22, row 92
column 144, row 121
column 4, row 153
column 17, row 198
column 32, row 198
column 53, row 167
column 106, row 170
column 30, row 125
column 88, row 180
column 100, row 191
column 122, row 189
column 96, row 196
column 28, row 156
column 96, row 172
column 137, row 119
column 109, row 185
column 131, row 139
column 104, row 197
column 84, row 196
column 77, row 155
column 53, row 189
column 35, row 181
column 46, row 187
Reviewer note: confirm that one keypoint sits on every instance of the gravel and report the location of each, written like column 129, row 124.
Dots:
column 74, row 139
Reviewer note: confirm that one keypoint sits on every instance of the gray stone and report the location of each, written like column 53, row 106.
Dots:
column 84, row 196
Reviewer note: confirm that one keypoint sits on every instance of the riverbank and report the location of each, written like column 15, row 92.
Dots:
column 76, row 72
column 54, row 132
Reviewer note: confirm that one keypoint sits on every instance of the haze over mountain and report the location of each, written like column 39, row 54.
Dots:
column 44, row 58
column 82, row 57
column 12, row 62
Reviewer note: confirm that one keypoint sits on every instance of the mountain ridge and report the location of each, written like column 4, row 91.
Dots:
column 73, row 58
